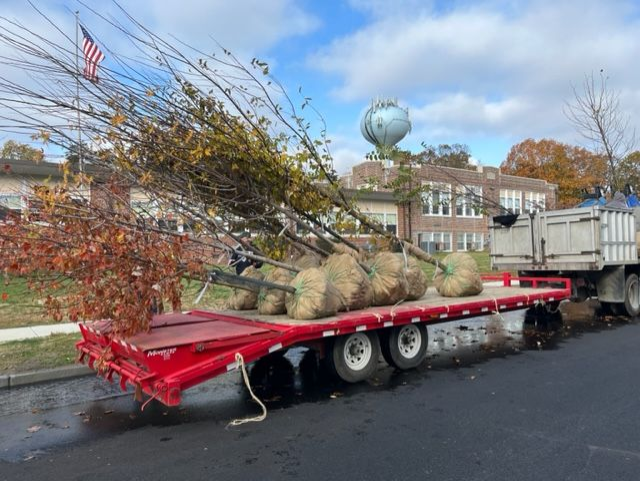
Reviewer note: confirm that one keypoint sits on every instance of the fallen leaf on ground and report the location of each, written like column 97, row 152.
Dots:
column 34, row 429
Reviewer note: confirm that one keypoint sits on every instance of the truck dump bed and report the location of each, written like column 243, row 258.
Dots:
column 184, row 349
column 581, row 239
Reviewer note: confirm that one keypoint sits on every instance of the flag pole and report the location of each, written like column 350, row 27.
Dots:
column 80, row 164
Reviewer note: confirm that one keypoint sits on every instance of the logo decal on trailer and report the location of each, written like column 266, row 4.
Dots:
column 164, row 353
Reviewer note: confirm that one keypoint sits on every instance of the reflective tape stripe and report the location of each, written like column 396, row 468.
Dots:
column 484, row 309
column 388, row 323
column 361, row 328
column 328, row 333
column 444, row 315
column 232, row 366
column 519, row 303
column 415, row 319
column 465, row 312
column 275, row 348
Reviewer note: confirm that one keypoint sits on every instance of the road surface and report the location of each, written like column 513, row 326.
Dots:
column 492, row 401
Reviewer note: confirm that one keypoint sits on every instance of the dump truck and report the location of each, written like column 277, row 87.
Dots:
column 594, row 246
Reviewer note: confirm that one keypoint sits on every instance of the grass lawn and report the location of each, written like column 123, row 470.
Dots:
column 41, row 353
column 21, row 306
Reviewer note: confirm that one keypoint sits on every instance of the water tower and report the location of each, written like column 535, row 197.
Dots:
column 384, row 124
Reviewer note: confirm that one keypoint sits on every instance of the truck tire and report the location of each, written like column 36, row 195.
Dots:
column 405, row 347
column 354, row 357
column 632, row 295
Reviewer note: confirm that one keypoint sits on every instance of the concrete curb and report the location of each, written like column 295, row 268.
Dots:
column 26, row 378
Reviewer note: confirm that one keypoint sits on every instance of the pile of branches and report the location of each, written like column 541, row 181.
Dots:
column 215, row 140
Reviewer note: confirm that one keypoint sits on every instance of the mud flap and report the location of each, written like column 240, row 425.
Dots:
column 610, row 285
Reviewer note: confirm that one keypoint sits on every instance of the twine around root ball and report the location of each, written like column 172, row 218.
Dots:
column 315, row 296
column 458, row 276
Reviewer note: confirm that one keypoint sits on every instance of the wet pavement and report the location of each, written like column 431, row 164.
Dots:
column 43, row 422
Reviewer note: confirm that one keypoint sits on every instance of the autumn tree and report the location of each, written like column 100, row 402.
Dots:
column 599, row 118
column 456, row 156
column 629, row 170
column 13, row 150
column 219, row 141
column 572, row 168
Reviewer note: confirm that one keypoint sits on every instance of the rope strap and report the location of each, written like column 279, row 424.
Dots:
column 245, row 376
column 497, row 311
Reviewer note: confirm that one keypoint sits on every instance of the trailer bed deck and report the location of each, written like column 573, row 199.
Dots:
column 184, row 349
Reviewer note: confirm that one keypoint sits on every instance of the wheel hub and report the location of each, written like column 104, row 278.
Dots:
column 409, row 341
column 357, row 351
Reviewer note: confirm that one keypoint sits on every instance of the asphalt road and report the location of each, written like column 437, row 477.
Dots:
column 491, row 402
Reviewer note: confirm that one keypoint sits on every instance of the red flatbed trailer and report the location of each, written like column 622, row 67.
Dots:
column 182, row 350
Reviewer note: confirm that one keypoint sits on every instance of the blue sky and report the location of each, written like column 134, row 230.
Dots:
column 488, row 74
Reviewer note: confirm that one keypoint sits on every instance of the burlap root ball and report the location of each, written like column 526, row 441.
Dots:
column 388, row 279
column 315, row 296
column 307, row 261
column 245, row 299
column 416, row 278
column 272, row 301
column 458, row 276
column 345, row 249
column 350, row 280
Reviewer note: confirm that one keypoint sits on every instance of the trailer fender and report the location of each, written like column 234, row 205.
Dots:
column 610, row 285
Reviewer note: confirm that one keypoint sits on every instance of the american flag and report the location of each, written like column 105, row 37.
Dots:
column 92, row 56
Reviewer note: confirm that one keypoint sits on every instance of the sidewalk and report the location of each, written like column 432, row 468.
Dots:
column 22, row 333
column 26, row 378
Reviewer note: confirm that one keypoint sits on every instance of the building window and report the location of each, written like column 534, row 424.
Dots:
column 511, row 200
column 435, row 241
column 11, row 201
column 469, row 201
column 437, row 200
column 388, row 221
column 534, row 202
column 470, row 241
column 391, row 223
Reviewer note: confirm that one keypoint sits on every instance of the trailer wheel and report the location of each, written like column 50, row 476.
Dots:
column 354, row 357
column 632, row 295
column 405, row 347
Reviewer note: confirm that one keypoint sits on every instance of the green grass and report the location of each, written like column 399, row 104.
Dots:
column 213, row 298
column 19, row 306
column 41, row 353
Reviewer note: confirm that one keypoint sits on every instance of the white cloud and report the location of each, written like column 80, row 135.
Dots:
column 242, row 26
column 347, row 151
column 488, row 68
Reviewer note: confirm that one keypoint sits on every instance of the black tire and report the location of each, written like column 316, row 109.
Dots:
column 405, row 347
column 354, row 357
column 632, row 295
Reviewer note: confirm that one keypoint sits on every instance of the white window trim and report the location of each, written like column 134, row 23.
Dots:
column 430, row 237
column 477, row 238
column 511, row 195
column 463, row 198
column 537, row 199
column 441, row 188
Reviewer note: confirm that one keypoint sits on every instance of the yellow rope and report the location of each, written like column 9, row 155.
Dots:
column 261, row 417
